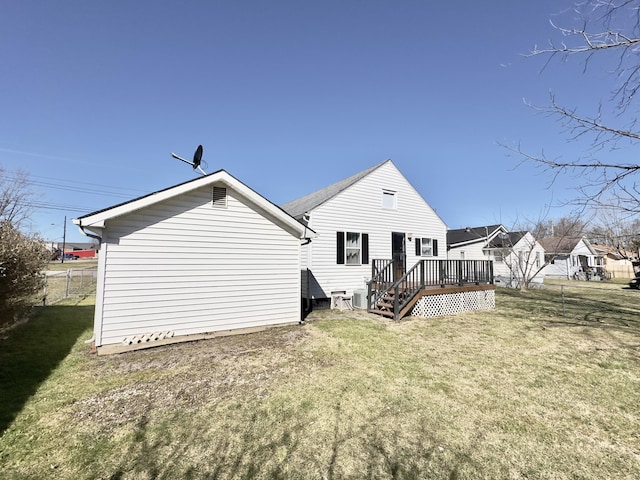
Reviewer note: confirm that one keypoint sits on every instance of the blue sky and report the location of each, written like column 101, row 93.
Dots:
column 287, row 96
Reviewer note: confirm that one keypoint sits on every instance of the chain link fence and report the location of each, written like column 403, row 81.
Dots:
column 74, row 282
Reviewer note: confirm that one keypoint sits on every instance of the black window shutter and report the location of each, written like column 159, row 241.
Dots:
column 418, row 247
column 434, row 242
column 340, row 252
column 365, row 248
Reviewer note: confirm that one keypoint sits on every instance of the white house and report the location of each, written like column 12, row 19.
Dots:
column 203, row 258
column 516, row 256
column 374, row 214
column 570, row 257
column 471, row 243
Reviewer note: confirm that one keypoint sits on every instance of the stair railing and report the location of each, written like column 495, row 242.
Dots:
column 381, row 281
column 426, row 273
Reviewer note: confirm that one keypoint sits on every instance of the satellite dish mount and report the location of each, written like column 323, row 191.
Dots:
column 197, row 160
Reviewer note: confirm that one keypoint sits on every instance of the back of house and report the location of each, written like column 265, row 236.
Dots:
column 375, row 214
column 206, row 257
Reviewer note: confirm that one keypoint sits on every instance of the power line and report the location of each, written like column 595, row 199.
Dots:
column 73, row 187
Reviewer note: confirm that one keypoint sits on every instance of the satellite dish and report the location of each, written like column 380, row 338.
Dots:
column 197, row 159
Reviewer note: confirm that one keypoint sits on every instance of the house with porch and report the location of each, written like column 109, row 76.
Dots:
column 571, row 258
column 381, row 246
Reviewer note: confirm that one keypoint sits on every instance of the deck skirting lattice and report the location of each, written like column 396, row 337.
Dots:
column 452, row 303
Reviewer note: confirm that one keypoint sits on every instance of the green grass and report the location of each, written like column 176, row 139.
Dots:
column 67, row 264
column 533, row 389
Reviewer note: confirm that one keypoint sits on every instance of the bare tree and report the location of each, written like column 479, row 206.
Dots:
column 532, row 245
column 607, row 30
column 520, row 256
column 612, row 229
column 15, row 197
column 567, row 226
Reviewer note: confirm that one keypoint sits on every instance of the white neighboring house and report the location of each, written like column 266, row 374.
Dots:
column 517, row 258
column 515, row 255
column 203, row 258
column 374, row 214
column 570, row 257
column 471, row 243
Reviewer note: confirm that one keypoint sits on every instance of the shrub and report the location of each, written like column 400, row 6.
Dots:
column 22, row 259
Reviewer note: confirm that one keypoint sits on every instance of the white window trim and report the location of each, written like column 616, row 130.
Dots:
column 428, row 241
column 389, row 200
column 347, row 248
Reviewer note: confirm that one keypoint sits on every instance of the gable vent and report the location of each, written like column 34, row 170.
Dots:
column 219, row 197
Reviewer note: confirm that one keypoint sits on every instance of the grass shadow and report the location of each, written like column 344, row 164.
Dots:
column 579, row 308
column 30, row 352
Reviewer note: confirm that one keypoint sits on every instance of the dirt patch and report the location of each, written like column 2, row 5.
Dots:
column 189, row 375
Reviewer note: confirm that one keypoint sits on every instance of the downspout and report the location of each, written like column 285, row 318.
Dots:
column 306, row 217
column 92, row 340
column 90, row 235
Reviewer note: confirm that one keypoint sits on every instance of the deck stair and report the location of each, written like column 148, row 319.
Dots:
column 395, row 298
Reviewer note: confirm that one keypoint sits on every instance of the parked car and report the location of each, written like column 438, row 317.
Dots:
column 635, row 282
column 70, row 256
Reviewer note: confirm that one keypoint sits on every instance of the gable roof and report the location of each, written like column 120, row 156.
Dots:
column 613, row 252
column 507, row 240
column 297, row 208
column 97, row 219
column 563, row 245
column 461, row 236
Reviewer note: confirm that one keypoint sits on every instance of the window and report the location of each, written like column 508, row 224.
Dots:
column 389, row 200
column 461, row 254
column 497, row 256
column 219, row 197
column 426, row 247
column 352, row 248
column 537, row 259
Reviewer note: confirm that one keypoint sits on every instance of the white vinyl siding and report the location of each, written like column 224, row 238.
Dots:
column 357, row 209
column 183, row 266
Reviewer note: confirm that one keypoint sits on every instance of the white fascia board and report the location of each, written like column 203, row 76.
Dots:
column 468, row 242
column 98, row 220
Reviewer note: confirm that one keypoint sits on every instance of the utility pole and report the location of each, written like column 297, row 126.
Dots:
column 64, row 239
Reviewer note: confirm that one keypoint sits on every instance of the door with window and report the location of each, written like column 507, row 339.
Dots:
column 398, row 254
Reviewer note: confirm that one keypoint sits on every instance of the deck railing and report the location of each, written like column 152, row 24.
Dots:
column 424, row 274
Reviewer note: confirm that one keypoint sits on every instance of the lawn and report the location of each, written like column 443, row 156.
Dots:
column 534, row 389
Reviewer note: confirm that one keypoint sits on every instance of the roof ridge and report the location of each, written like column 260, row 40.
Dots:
column 299, row 206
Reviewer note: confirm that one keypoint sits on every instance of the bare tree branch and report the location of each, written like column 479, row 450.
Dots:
column 15, row 197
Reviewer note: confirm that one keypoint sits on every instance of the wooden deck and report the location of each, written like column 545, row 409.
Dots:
column 395, row 299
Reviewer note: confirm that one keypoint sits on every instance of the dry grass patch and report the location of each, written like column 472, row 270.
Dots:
column 520, row 392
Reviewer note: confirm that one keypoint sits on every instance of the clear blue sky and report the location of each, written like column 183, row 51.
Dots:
column 287, row 96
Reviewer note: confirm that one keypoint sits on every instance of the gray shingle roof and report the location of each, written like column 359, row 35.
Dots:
column 470, row 234
column 559, row 245
column 506, row 241
column 297, row 208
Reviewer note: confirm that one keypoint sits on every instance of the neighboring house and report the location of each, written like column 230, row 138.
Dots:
column 199, row 259
column 570, row 258
column 374, row 214
column 471, row 243
column 515, row 255
column 616, row 263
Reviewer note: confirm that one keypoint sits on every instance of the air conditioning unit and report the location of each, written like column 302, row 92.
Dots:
column 360, row 299
column 340, row 301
